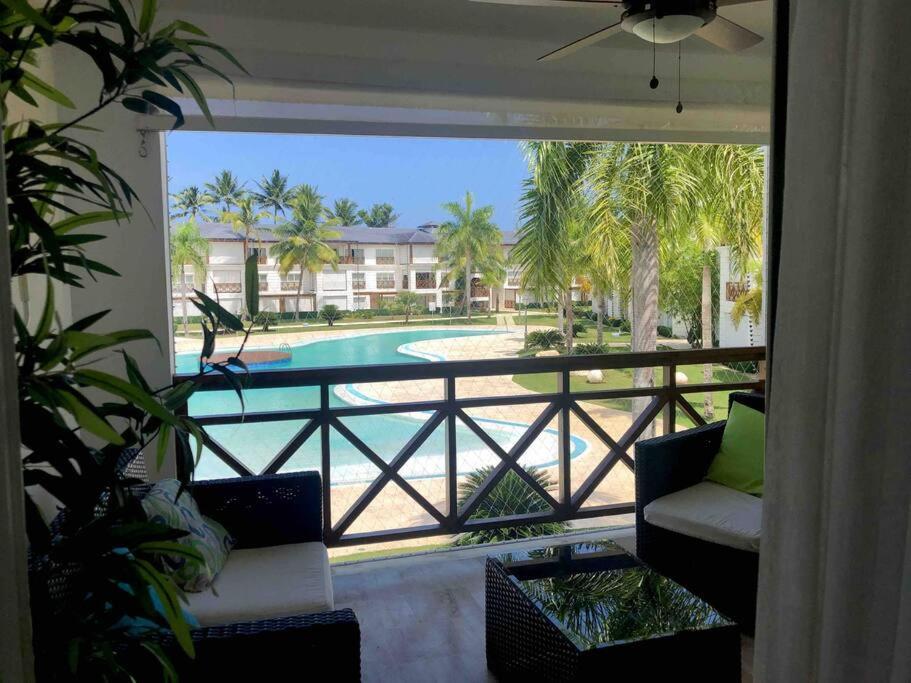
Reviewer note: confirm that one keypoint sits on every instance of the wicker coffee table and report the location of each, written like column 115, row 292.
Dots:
column 570, row 612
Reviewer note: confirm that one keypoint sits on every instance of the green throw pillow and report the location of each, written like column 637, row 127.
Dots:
column 740, row 461
column 205, row 535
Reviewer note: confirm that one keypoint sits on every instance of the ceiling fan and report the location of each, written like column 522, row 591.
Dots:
column 655, row 21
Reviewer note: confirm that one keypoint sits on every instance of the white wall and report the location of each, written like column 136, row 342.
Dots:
column 750, row 332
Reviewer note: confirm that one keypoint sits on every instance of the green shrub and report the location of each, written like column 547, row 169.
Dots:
column 363, row 314
column 591, row 349
column 665, row 331
column 544, row 339
column 511, row 496
column 578, row 328
column 266, row 319
column 625, row 326
column 331, row 313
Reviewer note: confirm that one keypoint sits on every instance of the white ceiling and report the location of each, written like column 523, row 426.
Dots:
column 384, row 60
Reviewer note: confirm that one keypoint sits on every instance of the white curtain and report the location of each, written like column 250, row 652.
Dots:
column 835, row 568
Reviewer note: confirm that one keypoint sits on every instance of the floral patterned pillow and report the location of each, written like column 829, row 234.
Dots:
column 205, row 535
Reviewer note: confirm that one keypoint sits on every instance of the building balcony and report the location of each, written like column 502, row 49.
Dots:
column 385, row 260
column 289, row 286
column 228, row 287
column 430, row 615
column 351, row 260
column 480, row 292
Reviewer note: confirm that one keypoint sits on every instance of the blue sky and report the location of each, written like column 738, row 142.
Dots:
column 415, row 175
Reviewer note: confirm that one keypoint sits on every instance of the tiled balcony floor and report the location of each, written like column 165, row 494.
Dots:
column 422, row 617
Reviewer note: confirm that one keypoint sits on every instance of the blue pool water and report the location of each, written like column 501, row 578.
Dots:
column 257, row 444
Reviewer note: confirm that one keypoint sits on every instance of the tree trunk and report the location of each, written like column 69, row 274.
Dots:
column 570, row 319
column 183, row 289
column 600, row 330
column 560, row 327
column 644, row 308
column 297, row 304
column 244, row 313
column 468, row 286
column 708, row 407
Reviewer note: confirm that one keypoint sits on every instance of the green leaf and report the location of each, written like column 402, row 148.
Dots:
column 87, row 218
column 47, row 314
column 29, row 12
column 167, row 596
column 149, row 9
column 125, row 390
column 48, row 91
column 161, row 449
column 165, row 103
column 251, row 273
column 87, row 418
column 228, row 319
column 134, row 374
column 195, row 91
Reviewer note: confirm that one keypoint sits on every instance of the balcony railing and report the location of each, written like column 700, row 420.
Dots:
column 569, row 501
column 358, row 284
column 422, row 282
column 385, row 260
column 513, row 282
column 289, row 286
column 385, row 283
column 477, row 292
column 228, row 287
column 351, row 260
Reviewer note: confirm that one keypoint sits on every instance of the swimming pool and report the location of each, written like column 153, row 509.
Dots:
column 257, row 444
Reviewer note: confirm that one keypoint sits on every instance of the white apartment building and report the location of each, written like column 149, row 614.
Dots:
column 374, row 265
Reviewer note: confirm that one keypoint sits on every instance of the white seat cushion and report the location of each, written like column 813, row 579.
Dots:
column 710, row 512
column 267, row 583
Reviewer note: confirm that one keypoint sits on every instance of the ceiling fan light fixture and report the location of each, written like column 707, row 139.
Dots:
column 671, row 28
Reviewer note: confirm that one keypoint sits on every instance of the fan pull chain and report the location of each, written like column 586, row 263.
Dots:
column 654, row 82
column 679, row 108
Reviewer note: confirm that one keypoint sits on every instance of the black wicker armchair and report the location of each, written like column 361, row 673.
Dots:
column 725, row 577
column 259, row 512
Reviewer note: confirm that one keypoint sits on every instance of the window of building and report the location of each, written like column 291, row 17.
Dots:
column 357, row 256
column 426, row 280
column 259, row 253
column 358, row 281
column 263, row 282
column 385, row 257
column 385, row 280
column 335, row 282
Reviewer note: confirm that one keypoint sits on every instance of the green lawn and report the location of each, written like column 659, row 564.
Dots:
column 388, row 552
column 543, row 383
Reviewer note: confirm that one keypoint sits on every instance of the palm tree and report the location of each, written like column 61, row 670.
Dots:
column 379, row 216
column 302, row 242
column 511, row 496
column 190, row 203
column 551, row 245
column 245, row 220
column 274, row 193
column 345, row 212
column 725, row 210
column 188, row 247
column 638, row 191
column 225, row 189
column 469, row 242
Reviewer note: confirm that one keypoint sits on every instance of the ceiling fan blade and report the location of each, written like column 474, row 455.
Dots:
column 728, row 35
column 552, row 3
column 590, row 39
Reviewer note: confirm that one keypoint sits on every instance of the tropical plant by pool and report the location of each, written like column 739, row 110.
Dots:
column 511, row 496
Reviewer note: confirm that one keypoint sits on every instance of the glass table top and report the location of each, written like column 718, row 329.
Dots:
column 597, row 594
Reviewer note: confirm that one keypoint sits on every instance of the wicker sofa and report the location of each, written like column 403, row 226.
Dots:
column 700, row 534
column 273, row 614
